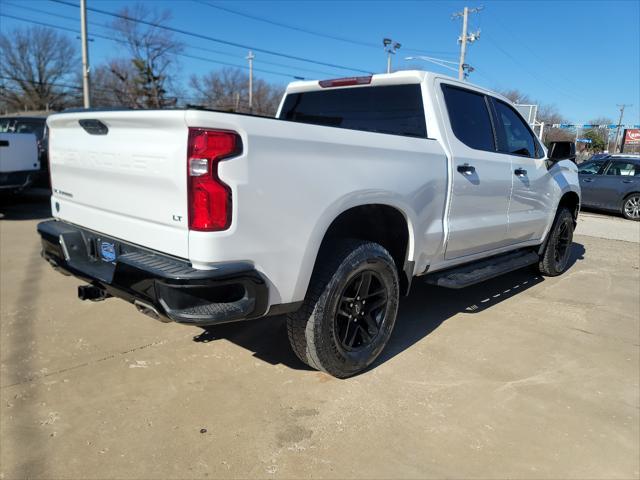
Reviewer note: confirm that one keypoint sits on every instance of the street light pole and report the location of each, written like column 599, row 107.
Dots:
column 250, row 57
column 85, row 54
column 390, row 47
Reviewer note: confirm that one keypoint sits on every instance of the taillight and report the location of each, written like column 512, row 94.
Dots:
column 209, row 197
column 345, row 82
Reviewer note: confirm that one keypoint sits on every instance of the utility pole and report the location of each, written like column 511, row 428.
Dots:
column 85, row 54
column 390, row 47
column 622, row 106
column 250, row 57
column 464, row 38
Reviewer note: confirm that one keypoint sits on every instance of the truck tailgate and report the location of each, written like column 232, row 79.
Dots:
column 18, row 152
column 128, row 180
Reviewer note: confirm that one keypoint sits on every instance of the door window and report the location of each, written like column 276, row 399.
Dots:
column 469, row 116
column 590, row 168
column 623, row 168
column 514, row 136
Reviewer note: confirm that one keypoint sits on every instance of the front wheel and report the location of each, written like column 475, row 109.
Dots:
column 349, row 311
column 555, row 257
column 631, row 207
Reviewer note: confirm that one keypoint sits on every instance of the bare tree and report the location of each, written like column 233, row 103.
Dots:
column 228, row 89
column 516, row 96
column 37, row 69
column 144, row 80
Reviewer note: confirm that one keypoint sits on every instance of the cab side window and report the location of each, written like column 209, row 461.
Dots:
column 514, row 136
column 470, row 118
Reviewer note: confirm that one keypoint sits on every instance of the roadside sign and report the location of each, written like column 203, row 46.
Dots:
column 632, row 136
column 583, row 140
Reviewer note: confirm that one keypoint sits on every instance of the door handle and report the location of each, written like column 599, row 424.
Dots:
column 520, row 172
column 627, row 181
column 466, row 169
column 587, row 180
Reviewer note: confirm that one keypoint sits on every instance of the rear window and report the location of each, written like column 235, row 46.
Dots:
column 395, row 109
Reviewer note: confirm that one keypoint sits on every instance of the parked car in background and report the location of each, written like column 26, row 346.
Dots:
column 36, row 125
column 612, row 183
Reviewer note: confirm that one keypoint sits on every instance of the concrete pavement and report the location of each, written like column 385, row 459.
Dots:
column 519, row 377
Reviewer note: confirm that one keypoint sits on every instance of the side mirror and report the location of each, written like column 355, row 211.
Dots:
column 562, row 151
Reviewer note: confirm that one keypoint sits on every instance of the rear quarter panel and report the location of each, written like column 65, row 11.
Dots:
column 292, row 180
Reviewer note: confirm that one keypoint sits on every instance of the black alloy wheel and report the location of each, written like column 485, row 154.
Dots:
column 361, row 311
column 562, row 244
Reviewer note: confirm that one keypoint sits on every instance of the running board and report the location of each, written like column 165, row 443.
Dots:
column 481, row 270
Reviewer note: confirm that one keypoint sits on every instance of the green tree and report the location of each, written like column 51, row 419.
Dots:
column 597, row 142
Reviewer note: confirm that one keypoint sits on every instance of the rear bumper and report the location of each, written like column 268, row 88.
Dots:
column 156, row 283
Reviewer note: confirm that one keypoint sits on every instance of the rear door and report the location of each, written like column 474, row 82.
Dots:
column 619, row 178
column 481, row 183
column 123, row 174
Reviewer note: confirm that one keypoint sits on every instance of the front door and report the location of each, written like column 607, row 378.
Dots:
column 481, row 182
column 533, row 196
column 589, row 174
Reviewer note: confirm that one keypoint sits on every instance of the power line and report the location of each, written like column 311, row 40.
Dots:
column 307, row 30
column 95, row 24
column 213, row 39
column 194, row 57
column 30, row 9
column 526, row 69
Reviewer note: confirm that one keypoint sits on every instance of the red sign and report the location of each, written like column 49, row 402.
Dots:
column 632, row 136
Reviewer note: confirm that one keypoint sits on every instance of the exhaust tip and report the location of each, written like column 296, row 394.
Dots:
column 148, row 310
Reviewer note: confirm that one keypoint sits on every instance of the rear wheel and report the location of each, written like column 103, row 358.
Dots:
column 555, row 258
column 631, row 207
column 349, row 311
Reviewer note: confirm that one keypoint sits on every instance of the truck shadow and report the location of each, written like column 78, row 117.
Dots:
column 424, row 310
column 28, row 205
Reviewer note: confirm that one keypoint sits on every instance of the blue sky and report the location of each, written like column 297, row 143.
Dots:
column 582, row 56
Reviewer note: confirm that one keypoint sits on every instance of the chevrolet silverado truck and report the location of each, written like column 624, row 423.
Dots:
column 324, row 214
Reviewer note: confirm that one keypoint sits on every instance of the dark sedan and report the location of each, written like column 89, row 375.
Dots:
column 612, row 183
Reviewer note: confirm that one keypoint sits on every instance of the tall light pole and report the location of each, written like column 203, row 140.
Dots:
column 464, row 38
column 390, row 47
column 250, row 57
column 85, row 54
column 615, row 144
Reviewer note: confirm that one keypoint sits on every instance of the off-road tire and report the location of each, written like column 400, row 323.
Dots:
column 313, row 329
column 561, row 233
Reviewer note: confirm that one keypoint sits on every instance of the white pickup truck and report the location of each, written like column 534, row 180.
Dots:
column 324, row 214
